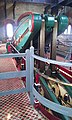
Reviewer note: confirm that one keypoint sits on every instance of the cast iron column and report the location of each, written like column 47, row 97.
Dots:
column 42, row 44
column 53, row 45
column 5, row 9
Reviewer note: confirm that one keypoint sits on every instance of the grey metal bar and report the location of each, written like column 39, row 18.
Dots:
column 15, row 74
column 11, row 92
column 12, row 55
column 52, row 61
column 28, row 69
column 31, row 74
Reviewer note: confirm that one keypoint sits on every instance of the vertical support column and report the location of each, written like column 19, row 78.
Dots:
column 53, row 45
column 5, row 3
column 37, row 61
column 5, row 11
column 42, row 43
column 28, row 70
column 14, row 4
column 39, row 44
column 31, row 74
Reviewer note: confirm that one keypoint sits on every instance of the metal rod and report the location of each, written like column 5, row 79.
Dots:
column 52, row 79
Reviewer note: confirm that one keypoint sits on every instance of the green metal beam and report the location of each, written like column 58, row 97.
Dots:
column 53, row 97
column 69, row 89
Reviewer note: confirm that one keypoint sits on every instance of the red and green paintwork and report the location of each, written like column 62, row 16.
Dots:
column 30, row 23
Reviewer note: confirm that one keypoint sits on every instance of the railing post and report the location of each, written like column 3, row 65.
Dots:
column 31, row 74
column 27, row 69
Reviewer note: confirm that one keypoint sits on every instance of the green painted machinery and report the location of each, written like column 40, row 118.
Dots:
column 37, row 22
column 30, row 25
column 28, row 28
column 52, row 97
column 50, row 20
column 62, row 23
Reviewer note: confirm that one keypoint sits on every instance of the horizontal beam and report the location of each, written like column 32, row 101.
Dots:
column 11, row 92
column 15, row 74
column 69, row 2
column 62, row 2
column 12, row 55
column 35, row 1
column 52, row 61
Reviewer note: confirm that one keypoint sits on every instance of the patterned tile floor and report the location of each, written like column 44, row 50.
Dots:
column 9, row 84
column 17, row 106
